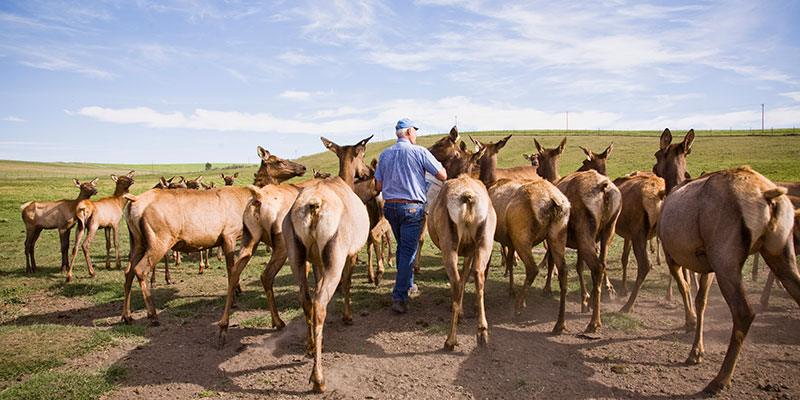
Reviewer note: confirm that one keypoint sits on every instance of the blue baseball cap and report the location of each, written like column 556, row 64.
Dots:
column 406, row 123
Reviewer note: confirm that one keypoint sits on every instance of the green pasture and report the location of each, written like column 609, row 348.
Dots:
column 45, row 323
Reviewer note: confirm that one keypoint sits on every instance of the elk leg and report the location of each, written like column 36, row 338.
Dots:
column 626, row 250
column 605, row 239
column 115, row 232
column 333, row 263
column 642, row 266
column 683, row 288
column 126, row 303
column 86, row 250
column 370, row 250
column 377, row 243
column 276, row 261
column 556, row 245
column 347, row 275
column 785, row 269
column 297, row 256
column 548, row 284
column 78, row 237
column 698, row 350
column 765, row 293
column 755, row 267
column 508, row 260
column 584, row 292
column 202, row 265
column 107, row 232
column 531, row 270
column 729, row 278
column 450, row 261
column 63, row 234
column 142, row 269
column 480, row 264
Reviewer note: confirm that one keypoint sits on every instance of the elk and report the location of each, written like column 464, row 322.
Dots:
column 229, row 179
column 365, row 190
column 793, row 190
column 59, row 214
column 327, row 225
column 461, row 222
column 104, row 213
column 529, row 212
column 595, row 206
column 796, row 240
column 671, row 166
column 320, row 174
column 160, row 220
column 711, row 224
column 642, row 195
column 202, row 255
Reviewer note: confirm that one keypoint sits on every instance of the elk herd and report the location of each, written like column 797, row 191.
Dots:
column 706, row 225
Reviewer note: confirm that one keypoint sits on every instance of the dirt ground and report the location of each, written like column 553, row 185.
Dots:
column 389, row 356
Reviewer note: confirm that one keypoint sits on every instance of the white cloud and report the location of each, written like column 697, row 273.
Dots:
column 12, row 118
column 50, row 62
column 299, row 95
column 792, row 95
column 296, row 58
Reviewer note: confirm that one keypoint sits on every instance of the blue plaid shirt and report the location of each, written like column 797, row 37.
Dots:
column 401, row 170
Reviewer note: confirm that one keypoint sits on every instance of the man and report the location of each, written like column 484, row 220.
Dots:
column 401, row 177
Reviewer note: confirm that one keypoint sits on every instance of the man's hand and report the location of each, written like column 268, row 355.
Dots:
column 378, row 186
column 441, row 175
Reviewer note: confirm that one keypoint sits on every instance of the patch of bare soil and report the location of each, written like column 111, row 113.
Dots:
column 389, row 356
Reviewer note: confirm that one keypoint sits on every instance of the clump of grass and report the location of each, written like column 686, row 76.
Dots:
column 621, row 322
column 256, row 322
column 206, row 394
column 13, row 295
column 437, row 329
column 59, row 385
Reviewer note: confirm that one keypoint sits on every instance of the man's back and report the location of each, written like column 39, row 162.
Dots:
column 401, row 171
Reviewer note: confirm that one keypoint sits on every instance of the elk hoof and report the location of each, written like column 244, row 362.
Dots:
column 585, row 307
column 278, row 324
column 347, row 320
column 92, row 274
column 69, row 278
column 223, row 333
column 127, row 320
column 449, row 346
column 694, row 358
column 626, row 309
column 559, row 328
column 319, row 386
column 714, row 387
column 547, row 292
column 593, row 327
column 483, row 337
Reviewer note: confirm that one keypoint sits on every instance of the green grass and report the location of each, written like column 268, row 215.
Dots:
column 33, row 349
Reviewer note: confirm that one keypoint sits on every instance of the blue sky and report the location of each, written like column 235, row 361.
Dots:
column 194, row 81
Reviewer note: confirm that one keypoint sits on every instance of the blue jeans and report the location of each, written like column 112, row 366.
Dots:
column 406, row 221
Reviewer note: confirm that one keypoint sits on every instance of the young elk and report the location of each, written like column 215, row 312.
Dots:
column 104, row 213
column 712, row 224
column 366, row 191
column 595, row 207
column 229, row 179
column 529, row 212
column 327, row 226
column 642, row 195
column 60, row 214
column 461, row 222
column 160, row 220
column 262, row 221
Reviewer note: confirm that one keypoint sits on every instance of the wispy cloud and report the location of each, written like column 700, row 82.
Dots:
column 12, row 118
column 792, row 95
column 55, row 63
column 299, row 95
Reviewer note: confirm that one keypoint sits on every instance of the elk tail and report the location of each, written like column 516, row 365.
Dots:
column 24, row 206
column 772, row 196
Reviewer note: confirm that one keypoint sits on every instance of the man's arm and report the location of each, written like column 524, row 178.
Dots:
column 433, row 166
column 441, row 175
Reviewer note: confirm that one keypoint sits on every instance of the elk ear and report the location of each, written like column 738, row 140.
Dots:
column 94, row 181
column 363, row 143
column 199, row 179
column 235, row 174
column 454, row 134
column 222, row 176
column 539, row 147
column 374, row 163
column 473, row 139
column 76, row 182
column 587, row 152
column 262, row 153
column 687, row 141
column 114, row 177
column 130, row 174
column 170, row 179
column 182, row 178
column 463, row 146
column 666, row 138
column 479, row 153
column 502, row 142
column 163, row 182
column 607, row 151
column 561, row 146
column 330, row 145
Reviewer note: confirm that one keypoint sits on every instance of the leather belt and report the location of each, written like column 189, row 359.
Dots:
column 403, row 201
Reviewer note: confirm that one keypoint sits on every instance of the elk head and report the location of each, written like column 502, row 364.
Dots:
column 671, row 159
column 274, row 169
column 88, row 189
column 229, row 178
column 123, row 182
column 351, row 160
column 596, row 161
column 448, row 152
column 548, row 160
column 320, row 174
column 488, row 162
column 194, row 183
column 533, row 159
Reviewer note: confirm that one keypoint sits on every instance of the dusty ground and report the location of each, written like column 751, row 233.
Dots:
column 388, row 356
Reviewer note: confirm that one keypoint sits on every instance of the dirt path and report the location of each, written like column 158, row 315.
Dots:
column 387, row 356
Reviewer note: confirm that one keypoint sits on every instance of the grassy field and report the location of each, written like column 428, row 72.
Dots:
column 41, row 338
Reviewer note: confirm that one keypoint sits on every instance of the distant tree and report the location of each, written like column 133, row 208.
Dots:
column 208, row 166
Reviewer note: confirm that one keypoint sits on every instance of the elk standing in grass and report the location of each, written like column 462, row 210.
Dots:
column 104, row 213
column 229, row 179
column 712, row 224
column 327, row 226
column 461, row 222
column 595, row 206
column 60, row 214
column 160, row 220
column 529, row 212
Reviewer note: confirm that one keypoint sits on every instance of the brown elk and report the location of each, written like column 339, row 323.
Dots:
column 160, row 220
column 366, row 190
column 595, row 206
column 671, row 166
column 327, row 226
column 712, row 224
column 529, row 212
column 642, row 195
column 59, row 214
column 104, row 213
column 229, row 179
column 202, row 255
column 461, row 222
